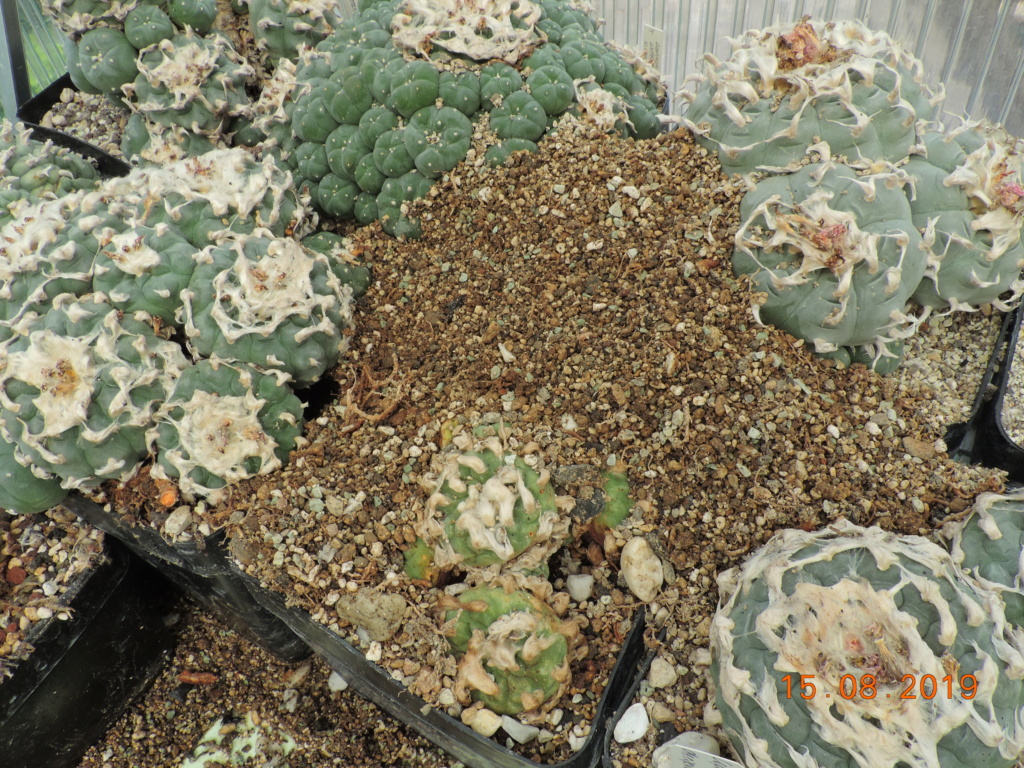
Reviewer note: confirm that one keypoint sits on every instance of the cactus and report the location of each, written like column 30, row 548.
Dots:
column 392, row 94
column 967, row 199
column 103, row 62
column 989, row 543
column 32, row 171
column 488, row 506
column 864, row 615
column 194, row 82
column 514, row 652
column 75, row 17
column 22, row 491
column 283, row 27
column 788, row 87
column 79, row 388
column 223, row 423
column 252, row 745
column 839, row 257
column 269, row 302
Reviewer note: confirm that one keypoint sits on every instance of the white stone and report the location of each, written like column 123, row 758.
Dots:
column 662, row 674
column 446, row 697
column 483, row 721
column 336, row 682
column 632, row 725
column 522, row 733
column 691, row 740
column 178, row 521
column 580, row 586
column 642, row 569
column 662, row 714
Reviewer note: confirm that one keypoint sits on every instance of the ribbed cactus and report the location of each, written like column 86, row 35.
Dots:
column 387, row 102
column 32, row 171
column 269, row 302
column 867, row 618
column 839, row 257
column 223, row 423
column 283, row 27
column 967, row 199
column 789, row 86
column 489, row 506
column 989, row 544
column 79, row 388
column 22, row 491
column 514, row 652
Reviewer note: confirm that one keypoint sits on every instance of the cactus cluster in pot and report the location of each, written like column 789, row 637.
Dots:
column 389, row 102
column 96, row 282
column 794, row 96
column 857, row 647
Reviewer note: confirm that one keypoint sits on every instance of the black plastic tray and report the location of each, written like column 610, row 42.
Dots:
column 32, row 112
column 202, row 569
column 461, row 742
column 84, row 672
column 982, row 439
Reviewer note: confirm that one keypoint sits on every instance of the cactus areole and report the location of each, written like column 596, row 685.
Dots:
column 867, row 618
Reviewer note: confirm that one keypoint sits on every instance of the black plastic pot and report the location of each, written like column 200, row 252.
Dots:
column 202, row 569
column 84, row 672
column 461, row 742
column 982, row 439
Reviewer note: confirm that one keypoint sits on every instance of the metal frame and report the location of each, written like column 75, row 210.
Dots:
column 14, row 81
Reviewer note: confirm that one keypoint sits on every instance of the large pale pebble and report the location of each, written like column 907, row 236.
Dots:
column 662, row 674
column 642, row 569
column 521, row 732
column 632, row 725
column 484, row 721
column 672, row 753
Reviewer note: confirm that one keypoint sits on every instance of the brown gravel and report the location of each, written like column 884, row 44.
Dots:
column 40, row 557
column 330, row 728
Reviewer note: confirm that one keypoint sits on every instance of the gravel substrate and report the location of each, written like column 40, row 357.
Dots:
column 580, row 303
column 40, row 556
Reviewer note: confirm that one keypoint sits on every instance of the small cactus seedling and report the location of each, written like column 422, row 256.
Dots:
column 491, row 507
column 223, row 423
column 820, row 637
column 251, row 744
column 514, row 652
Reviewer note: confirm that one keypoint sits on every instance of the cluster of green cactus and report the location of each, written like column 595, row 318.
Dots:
column 94, row 282
column 282, row 27
column 387, row 103
column 791, row 96
column 514, row 650
column 820, row 636
column 248, row 744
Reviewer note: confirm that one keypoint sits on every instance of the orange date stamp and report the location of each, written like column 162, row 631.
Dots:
column 866, row 687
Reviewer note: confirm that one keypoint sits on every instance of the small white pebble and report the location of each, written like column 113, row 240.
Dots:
column 580, row 586
column 521, row 732
column 632, row 725
column 336, row 682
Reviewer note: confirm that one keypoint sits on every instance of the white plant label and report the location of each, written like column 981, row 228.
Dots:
column 678, row 756
column 652, row 45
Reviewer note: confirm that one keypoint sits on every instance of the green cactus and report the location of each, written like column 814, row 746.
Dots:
column 268, row 302
column 492, row 507
column 514, row 652
column 194, row 82
column 988, row 544
column 32, row 171
column 497, row 154
column 223, row 423
column 147, row 25
column 197, row 15
column 22, row 491
column 251, row 745
column 967, row 199
column 838, row 256
column 788, row 87
column 414, row 76
column 106, row 61
column 76, row 17
column 864, row 616
column 145, row 269
column 282, row 28
column 79, row 388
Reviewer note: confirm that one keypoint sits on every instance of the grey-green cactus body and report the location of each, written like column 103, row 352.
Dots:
column 869, row 610
column 837, row 254
column 22, row 491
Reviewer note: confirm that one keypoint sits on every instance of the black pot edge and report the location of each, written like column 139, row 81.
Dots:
column 982, row 439
column 85, row 672
column 461, row 742
column 202, row 570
